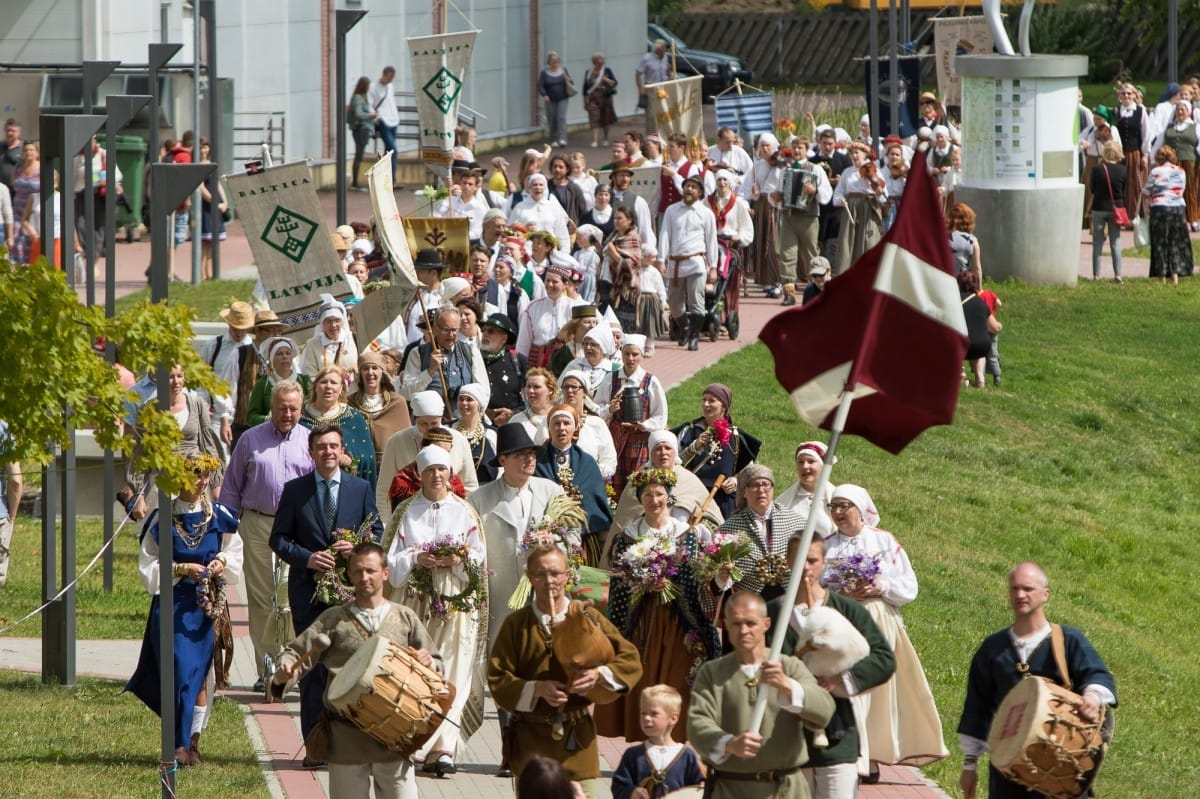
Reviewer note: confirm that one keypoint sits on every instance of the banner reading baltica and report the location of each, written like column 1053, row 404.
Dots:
column 281, row 215
column 439, row 68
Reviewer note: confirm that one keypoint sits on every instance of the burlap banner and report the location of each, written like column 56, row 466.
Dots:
column 282, row 217
column 957, row 36
column 645, row 183
column 388, row 224
column 448, row 235
column 378, row 310
column 439, row 67
column 675, row 106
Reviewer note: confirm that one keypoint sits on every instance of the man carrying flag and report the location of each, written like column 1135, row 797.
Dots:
column 878, row 354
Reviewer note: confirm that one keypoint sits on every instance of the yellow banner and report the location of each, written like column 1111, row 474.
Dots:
column 448, row 235
column 675, row 106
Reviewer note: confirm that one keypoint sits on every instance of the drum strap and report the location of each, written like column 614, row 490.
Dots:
column 1059, row 647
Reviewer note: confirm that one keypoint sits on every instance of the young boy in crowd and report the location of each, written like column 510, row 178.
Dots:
column 659, row 765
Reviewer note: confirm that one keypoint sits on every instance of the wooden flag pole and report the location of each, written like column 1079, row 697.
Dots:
column 793, row 588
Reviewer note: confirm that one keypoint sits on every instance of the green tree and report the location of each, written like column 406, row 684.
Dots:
column 46, row 337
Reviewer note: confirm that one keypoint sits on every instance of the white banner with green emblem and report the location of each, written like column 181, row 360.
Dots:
column 439, row 67
column 675, row 106
column 281, row 214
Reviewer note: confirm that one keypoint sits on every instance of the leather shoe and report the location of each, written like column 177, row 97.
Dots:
column 311, row 764
column 260, row 685
column 504, row 772
column 181, row 756
column 194, row 750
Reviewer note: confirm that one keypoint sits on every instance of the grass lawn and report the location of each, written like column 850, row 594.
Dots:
column 92, row 742
column 1084, row 458
column 121, row 614
column 205, row 299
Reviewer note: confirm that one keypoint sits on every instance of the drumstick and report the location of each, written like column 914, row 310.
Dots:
column 319, row 645
column 699, row 513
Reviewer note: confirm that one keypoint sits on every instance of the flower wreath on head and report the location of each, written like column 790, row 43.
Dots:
column 202, row 462
column 644, row 477
column 550, row 239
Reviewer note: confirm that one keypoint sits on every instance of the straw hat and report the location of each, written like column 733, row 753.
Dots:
column 239, row 315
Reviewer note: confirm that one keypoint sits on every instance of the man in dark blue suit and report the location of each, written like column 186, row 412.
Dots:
column 311, row 508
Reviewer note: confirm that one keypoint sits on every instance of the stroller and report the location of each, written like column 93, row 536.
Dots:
column 721, row 302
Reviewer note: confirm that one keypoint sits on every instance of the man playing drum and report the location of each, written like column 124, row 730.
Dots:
column 356, row 761
column 1001, row 660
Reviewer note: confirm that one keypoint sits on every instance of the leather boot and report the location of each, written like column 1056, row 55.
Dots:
column 789, row 294
column 695, row 323
column 194, row 750
column 681, row 328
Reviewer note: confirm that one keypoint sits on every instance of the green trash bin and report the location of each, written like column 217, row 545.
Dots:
column 131, row 159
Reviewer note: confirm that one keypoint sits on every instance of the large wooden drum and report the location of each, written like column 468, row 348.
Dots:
column 385, row 692
column 1039, row 740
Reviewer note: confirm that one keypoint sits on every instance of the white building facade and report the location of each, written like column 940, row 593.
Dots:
column 279, row 56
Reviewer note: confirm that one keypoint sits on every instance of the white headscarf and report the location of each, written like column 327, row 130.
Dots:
column 861, row 499
column 268, row 348
column 331, row 307
column 432, row 455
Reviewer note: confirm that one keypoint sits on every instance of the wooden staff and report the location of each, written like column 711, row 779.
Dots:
column 433, row 344
column 698, row 514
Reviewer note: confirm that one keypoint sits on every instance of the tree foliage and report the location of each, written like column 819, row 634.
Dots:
column 46, row 337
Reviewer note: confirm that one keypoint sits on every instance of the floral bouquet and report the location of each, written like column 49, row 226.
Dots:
column 210, row 595
column 333, row 585
column 852, row 573
column 610, row 493
column 724, row 549
column 649, row 564
column 562, row 525
column 425, row 582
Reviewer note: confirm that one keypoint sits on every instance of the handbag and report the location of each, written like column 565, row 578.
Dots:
column 1141, row 232
column 1120, row 215
column 571, row 90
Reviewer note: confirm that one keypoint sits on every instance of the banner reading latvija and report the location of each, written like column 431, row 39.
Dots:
column 282, row 217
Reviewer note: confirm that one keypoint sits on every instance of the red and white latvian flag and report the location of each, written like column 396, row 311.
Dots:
column 890, row 330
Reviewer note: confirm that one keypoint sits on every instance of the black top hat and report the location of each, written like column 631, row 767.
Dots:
column 510, row 438
column 501, row 322
column 428, row 258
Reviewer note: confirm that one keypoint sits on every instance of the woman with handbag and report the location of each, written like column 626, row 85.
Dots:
column 555, row 87
column 360, row 117
column 599, row 86
column 1108, row 181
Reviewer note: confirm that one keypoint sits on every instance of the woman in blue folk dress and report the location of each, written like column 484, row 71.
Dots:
column 207, row 553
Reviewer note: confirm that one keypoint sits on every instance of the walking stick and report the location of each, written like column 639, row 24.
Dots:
column 433, row 343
